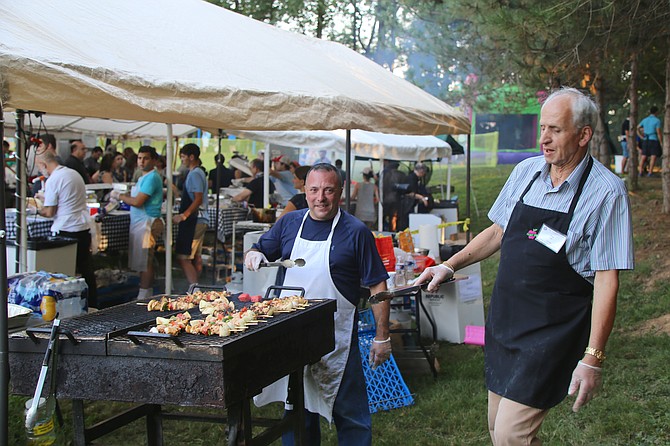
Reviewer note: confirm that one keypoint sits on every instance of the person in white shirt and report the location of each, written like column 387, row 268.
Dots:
column 65, row 201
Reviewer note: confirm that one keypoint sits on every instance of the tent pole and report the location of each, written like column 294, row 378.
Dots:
column 4, row 342
column 21, row 222
column 468, row 180
column 22, row 184
column 266, row 176
column 168, row 236
column 217, row 186
column 347, row 182
column 448, row 178
column 380, row 207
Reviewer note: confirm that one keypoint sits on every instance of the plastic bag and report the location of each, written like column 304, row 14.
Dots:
column 384, row 245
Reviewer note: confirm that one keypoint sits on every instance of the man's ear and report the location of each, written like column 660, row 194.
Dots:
column 585, row 135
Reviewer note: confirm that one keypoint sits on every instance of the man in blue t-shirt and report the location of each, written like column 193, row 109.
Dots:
column 340, row 255
column 192, row 217
column 650, row 132
column 146, row 224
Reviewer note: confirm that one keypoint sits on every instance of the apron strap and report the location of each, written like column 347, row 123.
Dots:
column 582, row 181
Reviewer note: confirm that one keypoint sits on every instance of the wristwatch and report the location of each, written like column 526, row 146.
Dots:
column 598, row 354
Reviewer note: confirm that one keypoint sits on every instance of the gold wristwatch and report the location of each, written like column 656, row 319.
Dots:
column 598, row 354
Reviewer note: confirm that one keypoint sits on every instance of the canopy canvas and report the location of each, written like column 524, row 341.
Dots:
column 191, row 62
column 363, row 143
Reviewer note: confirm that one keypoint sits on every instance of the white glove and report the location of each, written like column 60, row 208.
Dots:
column 587, row 379
column 253, row 260
column 380, row 352
column 438, row 273
column 115, row 194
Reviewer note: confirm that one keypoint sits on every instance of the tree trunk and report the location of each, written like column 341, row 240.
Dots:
column 632, row 141
column 665, row 164
column 600, row 147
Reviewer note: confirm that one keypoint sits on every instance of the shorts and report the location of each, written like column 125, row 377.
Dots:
column 651, row 147
column 624, row 148
column 157, row 228
column 196, row 244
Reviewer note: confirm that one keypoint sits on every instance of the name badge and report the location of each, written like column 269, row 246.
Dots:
column 551, row 238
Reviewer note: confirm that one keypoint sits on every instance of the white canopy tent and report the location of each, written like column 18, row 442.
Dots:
column 381, row 146
column 191, row 62
column 121, row 60
column 118, row 128
column 363, row 143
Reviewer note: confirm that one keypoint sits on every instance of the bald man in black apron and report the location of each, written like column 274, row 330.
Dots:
column 562, row 224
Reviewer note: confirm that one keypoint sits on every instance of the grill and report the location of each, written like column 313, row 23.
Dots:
column 111, row 356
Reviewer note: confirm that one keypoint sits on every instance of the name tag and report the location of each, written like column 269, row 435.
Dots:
column 551, row 238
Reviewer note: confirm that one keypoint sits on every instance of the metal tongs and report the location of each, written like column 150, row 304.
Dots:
column 288, row 263
column 398, row 292
column 49, row 359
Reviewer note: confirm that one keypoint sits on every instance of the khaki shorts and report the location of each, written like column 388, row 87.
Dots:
column 157, row 228
column 196, row 244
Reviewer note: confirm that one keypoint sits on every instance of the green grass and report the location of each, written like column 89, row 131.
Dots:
column 632, row 408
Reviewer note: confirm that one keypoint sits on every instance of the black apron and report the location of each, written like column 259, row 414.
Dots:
column 186, row 227
column 540, row 314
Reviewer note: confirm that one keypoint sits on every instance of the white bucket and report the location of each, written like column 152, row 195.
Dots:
column 618, row 164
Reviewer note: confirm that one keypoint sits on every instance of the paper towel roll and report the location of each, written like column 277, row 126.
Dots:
column 428, row 236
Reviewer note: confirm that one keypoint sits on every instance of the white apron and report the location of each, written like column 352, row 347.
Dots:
column 321, row 380
column 140, row 239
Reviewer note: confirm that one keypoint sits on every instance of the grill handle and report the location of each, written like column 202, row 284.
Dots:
column 61, row 331
column 135, row 335
column 284, row 288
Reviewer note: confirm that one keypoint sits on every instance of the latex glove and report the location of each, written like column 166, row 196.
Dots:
column 438, row 274
column 380, row 352
column 586, row 379
column 31, row 210
column 253, row 260
column 115, row 194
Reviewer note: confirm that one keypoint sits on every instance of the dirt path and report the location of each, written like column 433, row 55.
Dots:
column 651, row 227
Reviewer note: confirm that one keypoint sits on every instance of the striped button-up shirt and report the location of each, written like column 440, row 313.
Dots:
column 600, row 236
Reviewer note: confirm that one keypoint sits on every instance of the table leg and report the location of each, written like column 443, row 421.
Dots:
column 429, row 356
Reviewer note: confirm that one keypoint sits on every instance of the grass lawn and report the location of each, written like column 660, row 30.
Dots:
column 632, row 408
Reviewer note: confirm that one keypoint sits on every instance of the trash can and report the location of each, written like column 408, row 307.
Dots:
column 54, row 254
column 447, row 210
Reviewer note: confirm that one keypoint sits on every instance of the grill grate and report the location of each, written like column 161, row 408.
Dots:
column 116, row 321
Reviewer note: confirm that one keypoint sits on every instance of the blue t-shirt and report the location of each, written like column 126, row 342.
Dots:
column 151, row 185
column 196, row 181
column 354, row 260
column 649, row 125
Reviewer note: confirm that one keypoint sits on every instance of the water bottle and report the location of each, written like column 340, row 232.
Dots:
column 399, row 277
column 43, row 433
column 410, row 264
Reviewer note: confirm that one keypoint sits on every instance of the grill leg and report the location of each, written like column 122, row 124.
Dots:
column 296, row 397
column 154, row 426
column 78, row 425
column 234, row 420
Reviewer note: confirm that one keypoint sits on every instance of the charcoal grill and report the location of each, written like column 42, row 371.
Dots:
column 111, row 356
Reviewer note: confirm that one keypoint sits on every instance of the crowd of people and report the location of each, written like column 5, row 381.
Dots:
column 562, row 224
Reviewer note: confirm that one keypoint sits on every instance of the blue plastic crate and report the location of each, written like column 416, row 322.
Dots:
column 366, row 321
column 385, row 387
